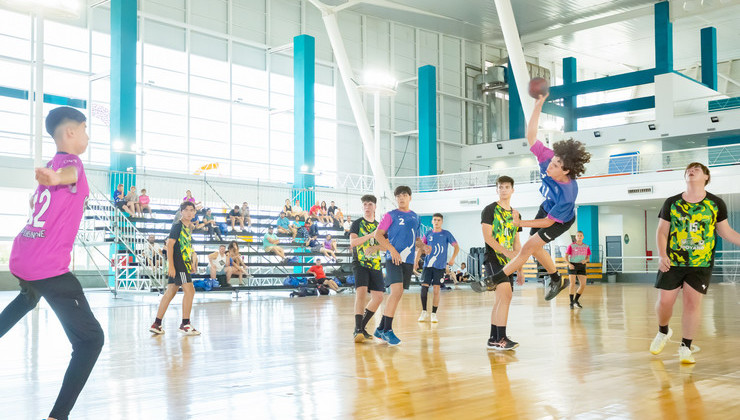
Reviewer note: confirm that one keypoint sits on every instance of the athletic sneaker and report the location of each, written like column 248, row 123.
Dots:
column 660, row 341
column 477, row 287
column 367, row 335
column 391, row 338
column 434, row 317
column 684, row 355
column 380, row 334
column 156, row 329
column 577, row 304
column 493, row 344
column 358, row 336
column 189, row 330
column 507, row 344
column 556, row 287
column 423, row 317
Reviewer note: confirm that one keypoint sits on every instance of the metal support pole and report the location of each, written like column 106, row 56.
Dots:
column 376, row 151
column 384, row 196
column 516, row 54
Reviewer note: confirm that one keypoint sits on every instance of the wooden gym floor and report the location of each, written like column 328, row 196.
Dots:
column 268, row 356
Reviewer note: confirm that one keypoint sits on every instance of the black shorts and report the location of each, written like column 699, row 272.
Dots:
column 367, row 277
column 492, row 267
column 579, row 269
column 398, row 273
column 432, row 276
column 180, row 278
column 696, row 277
column 120, row 204
column 548, row 234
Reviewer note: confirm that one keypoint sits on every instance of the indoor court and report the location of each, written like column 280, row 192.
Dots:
column 277, row 357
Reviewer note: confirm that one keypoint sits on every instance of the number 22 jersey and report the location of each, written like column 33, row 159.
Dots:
column 44, row 246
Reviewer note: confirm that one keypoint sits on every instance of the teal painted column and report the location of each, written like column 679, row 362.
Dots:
column 427, row 121
column 304, row 68
column 588, row 223
column 123, row 90
column 570, row 102
column 663, row 37
column 709, row 57
column 517, row 125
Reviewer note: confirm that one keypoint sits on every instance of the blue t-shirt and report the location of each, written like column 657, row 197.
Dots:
column 560, row 198
column 439, row 241
column 118, row 196
column 402, row 228
column 283, row 222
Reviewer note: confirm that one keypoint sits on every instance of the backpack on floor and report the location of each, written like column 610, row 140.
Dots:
column 323, row 290
column 223, row 227
column 202, row 285
column 351, row 279
column 291, row 281
column 303, row 292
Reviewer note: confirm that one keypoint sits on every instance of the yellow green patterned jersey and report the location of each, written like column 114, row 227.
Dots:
column 692, row 236
column 502, row 228
column 362, row 227
column 183, row 249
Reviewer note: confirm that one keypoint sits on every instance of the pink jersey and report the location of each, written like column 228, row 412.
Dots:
column 43, row 248
column 143, row 200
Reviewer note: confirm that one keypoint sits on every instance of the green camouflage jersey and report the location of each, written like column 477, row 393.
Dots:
column 362, row 227
column 183, row 249
column 692, row 236
column 502, row 228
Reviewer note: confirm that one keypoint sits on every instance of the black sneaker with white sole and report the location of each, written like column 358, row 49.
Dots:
column 557, row 285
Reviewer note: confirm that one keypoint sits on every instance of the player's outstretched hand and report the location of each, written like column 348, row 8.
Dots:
column 47, row 176
column 664, row 265
column 541, row 100
column 427, row 249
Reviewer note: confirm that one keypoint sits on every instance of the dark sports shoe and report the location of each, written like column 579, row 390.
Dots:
column 367, row 335
column 507, row 344
column 556, row 287
column 477, row 287
column 577, row 305
column 358, row 336
column 493, row 344
column 572, row 306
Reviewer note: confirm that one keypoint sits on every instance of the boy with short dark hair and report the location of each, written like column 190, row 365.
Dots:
column 40, row 255
column 402, row 227
column 180, row 264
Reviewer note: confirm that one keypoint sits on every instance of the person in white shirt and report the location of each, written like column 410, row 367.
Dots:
column 218, row 262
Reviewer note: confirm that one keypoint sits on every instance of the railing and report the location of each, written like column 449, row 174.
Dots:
column 647, row 162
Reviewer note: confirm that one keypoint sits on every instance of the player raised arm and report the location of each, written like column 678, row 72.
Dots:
column 534, row 120
column 63, row 176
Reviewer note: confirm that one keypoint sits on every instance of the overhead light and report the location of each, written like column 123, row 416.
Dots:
column 597, row 133
column 651, row 127
column 66, row 9
column 304, row 168
column 118, row 145
column 499, row 146
column 715, row 119
column 377, row 81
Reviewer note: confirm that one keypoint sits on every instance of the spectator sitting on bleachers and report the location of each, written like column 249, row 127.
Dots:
column 324, row 215
column 330, row 248
column 314, row 210
column 284, row 225
column 333, row 212
column 189, row 197
column 218, row 263
column 210, row 225
column 119, row 199
column 288, row 209
column 144, row 202
column 462, row 274
column 320, row 278
column 309, row 232
column 152, row 254
column 347, row 225
column 235, row 215
column 270, row 244
column 238, row 267
column 132, row 201
column 244, row 211
column 298, row 211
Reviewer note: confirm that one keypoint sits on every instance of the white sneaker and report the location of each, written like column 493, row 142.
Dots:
column 189, row 330
column 434, row 317
column 660, row 341
column 684, row 355
column 423, row 317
